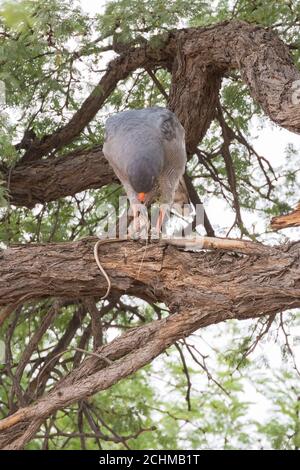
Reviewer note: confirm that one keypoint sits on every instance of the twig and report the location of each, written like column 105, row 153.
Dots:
column 158, row 84
column 188, row 379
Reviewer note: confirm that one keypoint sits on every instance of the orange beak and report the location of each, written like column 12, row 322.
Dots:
column 141, row 197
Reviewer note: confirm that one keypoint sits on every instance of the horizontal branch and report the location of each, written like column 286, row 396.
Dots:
column 288, row 220
column 156, row 271
column 48, row 180
column 223, row 244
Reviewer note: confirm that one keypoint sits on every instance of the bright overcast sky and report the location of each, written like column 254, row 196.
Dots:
column 93, row 6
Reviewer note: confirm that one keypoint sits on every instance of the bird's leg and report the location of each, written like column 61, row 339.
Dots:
column 140, row 221
column 163, row 209
column 160, row 220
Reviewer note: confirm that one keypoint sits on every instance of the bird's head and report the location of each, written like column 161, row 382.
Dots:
column 143, row 176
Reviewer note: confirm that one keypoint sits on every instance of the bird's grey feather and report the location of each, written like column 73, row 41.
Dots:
column 144, row 140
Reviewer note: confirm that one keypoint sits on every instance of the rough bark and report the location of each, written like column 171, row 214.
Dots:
column 197, row 58
column 264, row 284
column 222, row 285
column 47, row 180
column 263, row 59
column 194, row 94
column 288, row 220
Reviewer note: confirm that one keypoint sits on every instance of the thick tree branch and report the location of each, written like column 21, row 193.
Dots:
column 47, row 180
column 263, row 59
column 288, row 220
column 165, row 272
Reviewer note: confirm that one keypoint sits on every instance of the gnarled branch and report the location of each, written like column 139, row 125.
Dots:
column 157, row 272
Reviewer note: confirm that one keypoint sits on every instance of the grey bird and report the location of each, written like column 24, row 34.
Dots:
column 146, row 150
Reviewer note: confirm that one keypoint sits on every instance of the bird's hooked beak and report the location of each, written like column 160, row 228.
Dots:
column 141, row 197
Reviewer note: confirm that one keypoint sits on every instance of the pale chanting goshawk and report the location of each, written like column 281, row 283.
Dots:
column 146, row 150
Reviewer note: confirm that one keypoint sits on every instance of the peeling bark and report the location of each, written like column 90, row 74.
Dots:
column 288, row 220
column 265, row 282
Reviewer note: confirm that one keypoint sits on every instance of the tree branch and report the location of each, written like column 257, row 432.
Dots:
column 47, row 180
column 263, row 59
column 38, row 270
column 288, row 220
column 200, row 57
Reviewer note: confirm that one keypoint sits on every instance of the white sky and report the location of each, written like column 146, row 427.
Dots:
column 93, row 6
